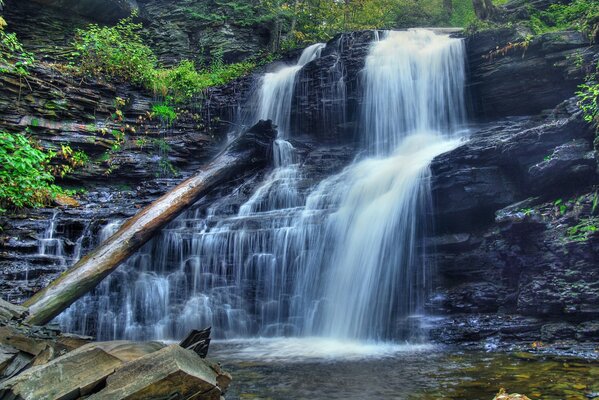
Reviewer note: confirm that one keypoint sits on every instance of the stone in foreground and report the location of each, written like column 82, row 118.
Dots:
column 170, row 373
column 502, row 395
column 71, row 376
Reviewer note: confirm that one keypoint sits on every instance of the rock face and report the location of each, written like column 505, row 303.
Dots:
column 104, row 10
column 517, row 247
column 176, row 30
column 507, row 65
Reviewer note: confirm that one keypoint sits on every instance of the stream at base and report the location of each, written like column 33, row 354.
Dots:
column 313, row 368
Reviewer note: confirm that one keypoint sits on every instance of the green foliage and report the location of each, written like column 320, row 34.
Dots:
column 462, row 14
column 13, row 57
column 116, row 52
column 161, row 145
column 561, row 206
column 119, row 53
column 25, row 178
column 588, row 97
column 183, row 81
column 584, row 229
column 576, row 15
column 164, row 112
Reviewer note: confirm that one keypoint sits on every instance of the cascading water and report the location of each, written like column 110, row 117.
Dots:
column 413, row 104
column 342, row 260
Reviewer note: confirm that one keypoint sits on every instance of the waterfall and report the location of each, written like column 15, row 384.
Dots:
column 413, row 104
column 340, row 258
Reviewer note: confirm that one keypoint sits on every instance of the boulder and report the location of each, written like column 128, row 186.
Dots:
column 9, row 311
column 172, row 372
column 502, row 395
column 70, row 376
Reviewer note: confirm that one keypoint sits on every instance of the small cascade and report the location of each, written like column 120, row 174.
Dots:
column 341, row 258
column 49, row 245
column 275, row 99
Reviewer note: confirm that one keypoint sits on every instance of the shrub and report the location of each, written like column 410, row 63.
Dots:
column 13, row 56
column 25, row 178
column 116, row 52
column 182, row 82
column 165, row 112
column 588, row 98
column 576, row 15
column 119, row 53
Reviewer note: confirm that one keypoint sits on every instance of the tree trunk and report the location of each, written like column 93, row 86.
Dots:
column 294, row 18
column 250, row 150
column 448, row 7
column 484, row 9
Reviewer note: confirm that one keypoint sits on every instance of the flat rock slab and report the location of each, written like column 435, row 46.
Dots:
column 7, row 354
column 126, row 350
column 22, row 340
column 10, row 311
column 170, row 373
column 71, row 376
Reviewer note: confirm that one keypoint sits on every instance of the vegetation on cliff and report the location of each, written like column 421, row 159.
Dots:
column 120, row 53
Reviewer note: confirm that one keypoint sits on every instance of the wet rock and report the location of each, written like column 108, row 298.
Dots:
column 502, row 395
column 588, row 331
column 7, row 355
column 571, row 164
column 557, row 331
column 480, row 328
column 126, row 350
column 538, row 71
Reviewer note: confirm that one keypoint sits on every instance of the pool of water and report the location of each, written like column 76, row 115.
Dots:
column 314, row 368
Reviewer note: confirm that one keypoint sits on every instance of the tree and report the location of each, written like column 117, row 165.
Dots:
column 484, row 9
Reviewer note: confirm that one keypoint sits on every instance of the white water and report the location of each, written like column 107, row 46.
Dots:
column 343, row 261
column 311, row 349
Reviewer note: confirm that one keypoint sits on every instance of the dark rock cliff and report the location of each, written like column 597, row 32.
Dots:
column 515, row 206
column 176, row 30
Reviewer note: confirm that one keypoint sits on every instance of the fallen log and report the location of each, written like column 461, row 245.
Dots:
column 251, row 149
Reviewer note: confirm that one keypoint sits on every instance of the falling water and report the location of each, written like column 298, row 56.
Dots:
column 377, row 278
column 342, row 259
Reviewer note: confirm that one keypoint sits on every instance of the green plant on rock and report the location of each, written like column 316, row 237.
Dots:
column 583, row 230
column 13, row 57
column 119, row 53
column 588, row 97
column 164, row 112
column 577, row 15
column 561, row 206
column 182, row 82
column 116, row 52
column 26, row 178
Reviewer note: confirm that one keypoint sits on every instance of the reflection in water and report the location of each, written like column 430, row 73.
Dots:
column 262, row 371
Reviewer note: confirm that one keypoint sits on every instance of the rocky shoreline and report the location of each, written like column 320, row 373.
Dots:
column 41, row 362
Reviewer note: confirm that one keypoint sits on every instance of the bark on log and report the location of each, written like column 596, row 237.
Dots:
column 251, row 149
